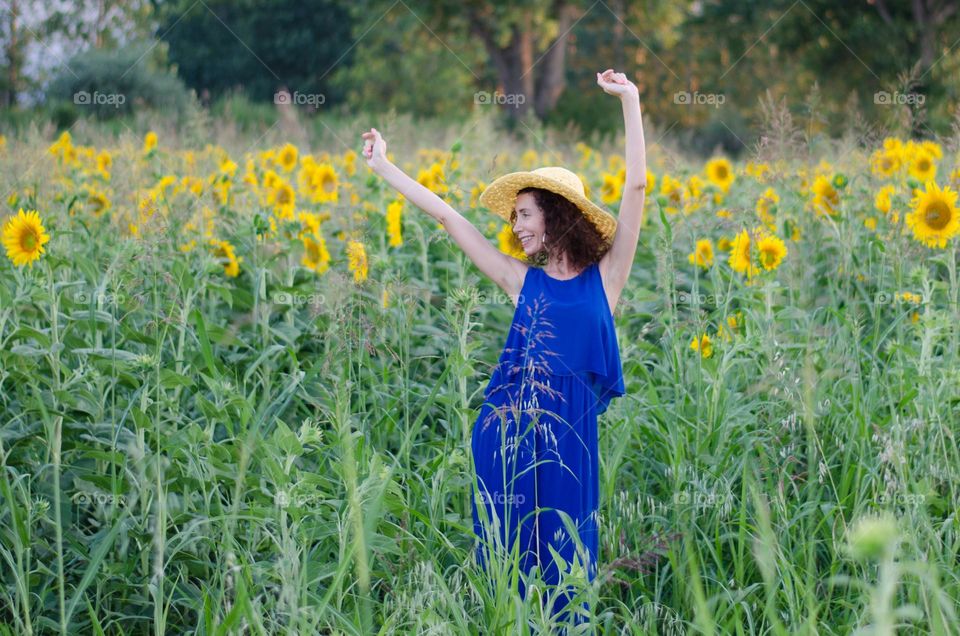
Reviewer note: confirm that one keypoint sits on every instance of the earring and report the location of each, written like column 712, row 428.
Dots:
column 543, row 239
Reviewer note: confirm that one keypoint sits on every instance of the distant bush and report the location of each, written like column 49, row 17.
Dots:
column 114, row 83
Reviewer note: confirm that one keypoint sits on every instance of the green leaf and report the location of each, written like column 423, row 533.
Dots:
column 206, row 350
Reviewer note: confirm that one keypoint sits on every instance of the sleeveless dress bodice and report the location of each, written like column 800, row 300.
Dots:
column 563, row 327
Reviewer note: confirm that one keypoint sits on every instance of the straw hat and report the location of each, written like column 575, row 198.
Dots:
column 501, row 195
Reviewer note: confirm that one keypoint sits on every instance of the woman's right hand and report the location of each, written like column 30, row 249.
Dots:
column 374, row 149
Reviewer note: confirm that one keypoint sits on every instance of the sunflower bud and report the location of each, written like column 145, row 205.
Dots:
column 871, row 537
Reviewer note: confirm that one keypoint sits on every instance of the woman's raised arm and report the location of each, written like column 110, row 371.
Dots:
column 506, row 271
column 616, row 263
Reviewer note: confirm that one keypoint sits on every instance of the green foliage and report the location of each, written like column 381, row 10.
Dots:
column 284, row 450
column 399, row 64
column 112, row 83
column 259, row 45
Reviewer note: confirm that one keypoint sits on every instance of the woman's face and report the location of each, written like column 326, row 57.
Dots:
column 529, row 224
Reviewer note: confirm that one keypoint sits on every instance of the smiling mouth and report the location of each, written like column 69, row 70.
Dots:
column 526, row 240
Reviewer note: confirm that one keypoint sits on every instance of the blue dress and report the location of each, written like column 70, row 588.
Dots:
column 559, row 369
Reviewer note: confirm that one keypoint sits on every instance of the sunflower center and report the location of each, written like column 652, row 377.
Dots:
column 313, row 252
column 28, row 241
column 328, row 184
column 937, row 215
column 923, row 165
column 722, row 173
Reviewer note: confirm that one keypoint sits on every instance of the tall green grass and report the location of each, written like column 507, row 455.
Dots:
column 281, row 454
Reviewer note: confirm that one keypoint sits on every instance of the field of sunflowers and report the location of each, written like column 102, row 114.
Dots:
column 237, row 382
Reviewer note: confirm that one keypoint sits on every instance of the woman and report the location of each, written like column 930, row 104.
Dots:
column 535, row 441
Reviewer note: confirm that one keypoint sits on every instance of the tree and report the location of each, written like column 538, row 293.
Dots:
column 526, row 42
column 36, row 38
column 260, row 46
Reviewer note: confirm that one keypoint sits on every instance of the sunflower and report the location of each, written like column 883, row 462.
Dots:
column 509, row 244
column 693, row 194
column 309, row 224
column 735, row 320
column 24, row 237
column 933, row 148
column 884, row 199
column 315, row 254
column 610, row 189
column 766, row 205
column 325, row 184
column 771, row 251
column 885, row 163
column 104, row 162
column 433, row 179
column 63, row 142
column 759, row 171
column 224, row 252
column 720, row 173
column 271, row 180
column 703, row 345
column 221, row 193
column 227, row 166
column 287, row 157
column 284, row 200
column 475, row 193
column 934, row 215
column 922, row 166
column 357, row 260
column 149, row 142
column 825, row 197
column 651, row 181
column 394, row 212
column 193, row 184
column 740, row 257
column 97, row 200
column 702, row 255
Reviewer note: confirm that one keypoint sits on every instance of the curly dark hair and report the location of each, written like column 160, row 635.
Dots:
column 571, row 232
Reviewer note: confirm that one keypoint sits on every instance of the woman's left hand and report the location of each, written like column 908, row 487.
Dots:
column 617, row 84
